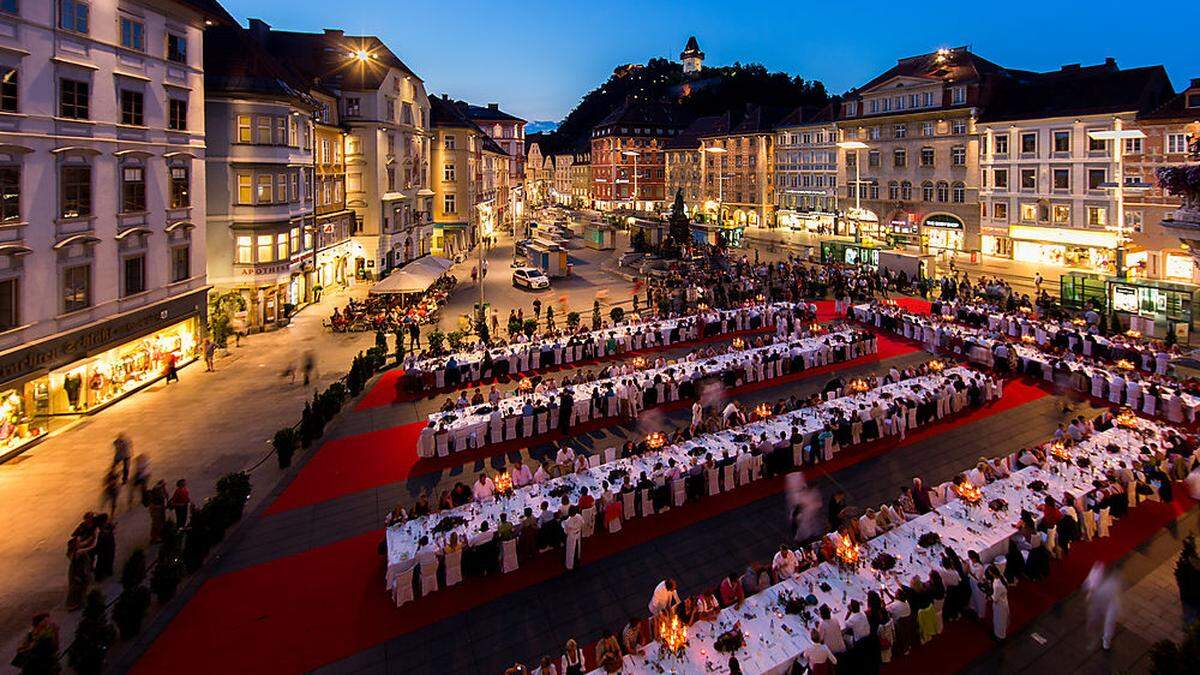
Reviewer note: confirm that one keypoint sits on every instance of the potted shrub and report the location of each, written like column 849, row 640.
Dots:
column 436, row 338
column 595, row 315
column 284, row 443
column 530, row 327
column 573, row 320
column 168, row 567
column 93, row 637
column 236, row 488
column 455, row 339
column 131, row 606
column 617, row 314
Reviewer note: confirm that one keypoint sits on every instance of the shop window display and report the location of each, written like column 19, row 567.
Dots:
column 16, row 427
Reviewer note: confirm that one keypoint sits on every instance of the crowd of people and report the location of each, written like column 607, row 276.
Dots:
column 388, row 313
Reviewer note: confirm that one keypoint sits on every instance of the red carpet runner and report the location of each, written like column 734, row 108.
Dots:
column 328, row 603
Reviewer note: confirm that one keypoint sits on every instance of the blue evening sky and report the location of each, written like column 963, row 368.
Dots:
column 538, row 57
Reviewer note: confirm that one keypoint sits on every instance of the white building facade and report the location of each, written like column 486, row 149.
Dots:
column 102, row 248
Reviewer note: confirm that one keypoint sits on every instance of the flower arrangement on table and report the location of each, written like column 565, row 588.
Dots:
column 1028, row 339
column 848, row 554
column 731, row 640
column 1037, row 485
column 793, row 604
column 639, row 363
column 738, row 344
column 560, row 491
column 1059, row 450
column 1132, row 333
column 1079, row 321
column 1124, row 364
column 449, row 523
column 763, row 411
column 672, row 635
column 617, row 476
column 858, row 386
column 1083, row 462
column 967, row 492
column 503, row 483
column 883, row 562
column 998, row 505
column 656, row 440
column 525, row 385
column 936, row 366
column 929, row 540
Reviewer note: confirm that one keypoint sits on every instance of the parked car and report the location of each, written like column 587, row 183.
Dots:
column 530, row 277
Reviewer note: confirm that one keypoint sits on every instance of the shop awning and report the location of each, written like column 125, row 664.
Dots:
column 415, row 277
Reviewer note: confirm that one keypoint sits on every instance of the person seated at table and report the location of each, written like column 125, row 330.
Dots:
column 565, row 458
column 483, row 489
column 707, row 607
column 817, row 655
column 477, row 397
column 504, row 529
column 830, row 630
column 527, row 531
column 421, row 507
column 608, row 653
column 631, row 637
column 397, row 515
column 484, row 552
column 920, row 496
column 545, row 472
column 460, row 494
column 784, row 563
column 448, row 406
column 906, row 503
column 1051, row 513
column 1030, row 457
column 730, row 591
column 520, row 475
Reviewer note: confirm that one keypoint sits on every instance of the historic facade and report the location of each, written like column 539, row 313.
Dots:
column 806, row 196
column 628, row 165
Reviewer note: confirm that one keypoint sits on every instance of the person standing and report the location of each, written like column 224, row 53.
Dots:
column 156, row 504
column 122, row 448
column 310, row 366
column 79, row 571
column 105, row 552
column 38, row 651
column 1104, row 603
column 172, row 367
column 999, row 604
column 111, row 488
column 573, row 528
column 210, row 354
column 414, row 335
column 181, row 502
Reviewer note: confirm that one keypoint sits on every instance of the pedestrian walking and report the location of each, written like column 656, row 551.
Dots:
column 414, row 336
column 483, row 274
column 121, row 454
column 172, row 367
column 537, row 309
column 181, row 502
column 474, row 273
column 1104, row 603
column 310, row 366
column 141, row 477
column 105, row 552
column 495, row 323
column 110, row 490
column 1037, row 282
column 210, row 354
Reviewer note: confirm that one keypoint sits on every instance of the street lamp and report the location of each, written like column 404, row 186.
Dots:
column 634, row 155
column 856, row 146
column 717, row 150
column 1118, row 187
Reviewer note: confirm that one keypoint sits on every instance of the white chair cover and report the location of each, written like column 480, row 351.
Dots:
column 508, row 555
column 429, row 579
column 402, row 590
column 453, row 566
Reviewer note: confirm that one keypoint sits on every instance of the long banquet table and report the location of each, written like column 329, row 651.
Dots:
column 402, row 538
column 775, row 639
column 522, row 415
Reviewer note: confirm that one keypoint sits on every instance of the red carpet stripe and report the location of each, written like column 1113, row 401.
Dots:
column 328, row 603
column 347, row 465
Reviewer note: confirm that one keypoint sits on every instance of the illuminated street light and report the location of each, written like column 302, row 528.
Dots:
column 1119, row 186
column 856, row 146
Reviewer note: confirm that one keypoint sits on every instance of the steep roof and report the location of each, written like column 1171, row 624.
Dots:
column 490, row 113
column 640, row 112
column 689, row 138
column 1175, row 107
column 445, row 113
column 759, row 119
column 810, row 116
column 326, row 57
column 211, row 9
column 957, row 65
column 691, row 49
column 234, row 62
column 1077, row 90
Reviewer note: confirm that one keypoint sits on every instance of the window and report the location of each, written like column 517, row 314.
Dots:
column 449, row 205
column 900, row 131
column 1029, row 179
column 1062, row 142
column 1133, row 146
column 926, row 156
column 1029, row 144
column 73, row 99
column 1061, row 178
column 281, row 246
column 10, row 302
column 1061, row 214
column 958, row 95
column 1001, row 145
column 1176, row 143
column 873, row 158
column 958, row 193
column 1193, row 100
column 448, row 172
column 133, row 34
column 281, row 189
column 245, row 189
column 927, row 191
column 133, row 189
column 243, row 129
column 10, row 194
column 899, row 157
column 943, row 191
column 294, row 238
column 874, row 133
column 135, row 274
column 265, row 188
column 180, row 188
column 181, row 263
column 1000, row 210
column 391, row 179
column 263, row 243
column 244, row 250
column 293, row 187
column 76, row 185
column 926, row 128
column 893, row 190
column 8, row 6
column 1096, row 178
column 73, row 15
column 77, row 287
column 9, row 89
column 1000, row 179
column 449, row 142
column 176, row 48
column 906, row 191
column 177, row 114
column 353, row 107
column 1097, row 144
column 958, row 155
column 131, row 108
column 1097, row 216
column 264, row 130
column 1028, row 213
column 958, row 127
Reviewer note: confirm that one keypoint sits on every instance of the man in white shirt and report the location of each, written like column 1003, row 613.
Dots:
column 831, row 631
column 856, row 622
column 483, row 489
column 565, row 459
column 784, row 563
column 542, row 474
column 573, row 528
column 665, row 597
column 697, row 415
column 521, row 476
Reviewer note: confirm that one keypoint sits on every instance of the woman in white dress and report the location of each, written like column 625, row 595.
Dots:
column 976, row 571
column 999, row 604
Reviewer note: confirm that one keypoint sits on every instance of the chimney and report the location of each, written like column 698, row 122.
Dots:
column 1110, row 61
column 493, row 106
column 1195, row 83
column 445, row 96
column 259, row 29
column 335, row 33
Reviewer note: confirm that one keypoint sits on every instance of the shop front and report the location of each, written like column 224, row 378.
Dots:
column 812, row 222
column 943, row 232
column 904, row 229
column 47, row 384
column 1153, row 307
column 267, row 289
column 451, row 239
column 1091, row 250
column 849, row 253
column 997, row 245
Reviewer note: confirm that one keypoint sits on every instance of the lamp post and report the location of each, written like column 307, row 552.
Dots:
column 634, row 154
column 1118, row 136
column 718, row 150
column 856, row 146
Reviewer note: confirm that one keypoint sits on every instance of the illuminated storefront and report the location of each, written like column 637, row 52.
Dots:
column 942, row 231
column 48, row 383
column 1084, row 249
column 904, row 228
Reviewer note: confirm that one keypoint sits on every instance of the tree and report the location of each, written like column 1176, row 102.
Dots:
column 221, row 310
column 638, row 242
